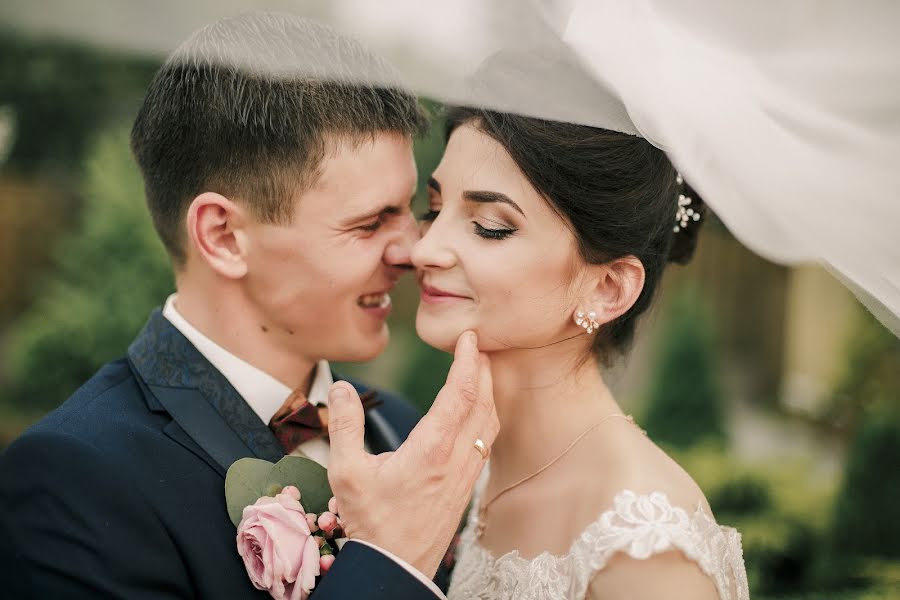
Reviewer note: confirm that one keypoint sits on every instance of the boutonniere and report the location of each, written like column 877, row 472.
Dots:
column 288, row 523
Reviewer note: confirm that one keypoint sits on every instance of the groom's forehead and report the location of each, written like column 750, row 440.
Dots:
column 359, row 187
column 356, row 177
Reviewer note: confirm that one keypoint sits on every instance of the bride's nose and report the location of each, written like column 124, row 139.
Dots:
column 434, row 250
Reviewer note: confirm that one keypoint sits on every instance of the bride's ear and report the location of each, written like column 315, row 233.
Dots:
column 618, row 284
column 216, row 232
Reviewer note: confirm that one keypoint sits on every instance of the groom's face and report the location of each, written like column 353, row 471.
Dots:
column 322, row 282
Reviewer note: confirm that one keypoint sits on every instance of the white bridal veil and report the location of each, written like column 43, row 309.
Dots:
column 784, row 116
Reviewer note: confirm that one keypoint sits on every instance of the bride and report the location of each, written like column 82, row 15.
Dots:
column 549, row 240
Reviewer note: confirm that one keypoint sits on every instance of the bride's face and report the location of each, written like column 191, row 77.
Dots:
column 494, row 256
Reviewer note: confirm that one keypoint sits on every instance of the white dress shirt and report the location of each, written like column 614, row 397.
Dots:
column 265, row 395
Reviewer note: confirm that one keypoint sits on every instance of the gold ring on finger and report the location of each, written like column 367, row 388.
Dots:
column 482, row 448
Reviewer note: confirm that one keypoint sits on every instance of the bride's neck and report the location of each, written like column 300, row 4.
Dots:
column 545, row 398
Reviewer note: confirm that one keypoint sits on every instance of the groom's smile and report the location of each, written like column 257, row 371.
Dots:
column 377, row 304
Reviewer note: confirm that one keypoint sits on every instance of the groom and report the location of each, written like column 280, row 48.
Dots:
column 282, row 198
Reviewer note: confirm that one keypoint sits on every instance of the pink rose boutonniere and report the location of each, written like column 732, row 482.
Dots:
column 285, row 548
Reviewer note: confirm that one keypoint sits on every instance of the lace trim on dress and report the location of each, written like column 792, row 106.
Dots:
column 638, row 525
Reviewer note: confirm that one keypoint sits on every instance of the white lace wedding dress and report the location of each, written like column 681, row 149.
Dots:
column 637, row 525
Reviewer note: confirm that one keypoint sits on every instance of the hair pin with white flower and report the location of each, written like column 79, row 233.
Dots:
column 685, row 213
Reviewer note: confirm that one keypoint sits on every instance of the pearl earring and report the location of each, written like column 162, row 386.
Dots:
column 587, row 321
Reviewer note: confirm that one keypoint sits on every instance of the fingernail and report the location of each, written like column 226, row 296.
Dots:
column 337, row 394
column 470, row 338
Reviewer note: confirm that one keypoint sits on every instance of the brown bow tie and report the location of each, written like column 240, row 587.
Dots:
column 299, row 421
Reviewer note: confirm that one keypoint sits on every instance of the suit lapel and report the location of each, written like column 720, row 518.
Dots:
column 207, row 409
column 380, row 436
column 209, row 417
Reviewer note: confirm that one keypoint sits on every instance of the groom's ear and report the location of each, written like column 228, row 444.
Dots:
column 618, row 284
column 215, row 227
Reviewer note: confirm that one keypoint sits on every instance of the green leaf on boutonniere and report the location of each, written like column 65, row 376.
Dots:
column 244, row 485
column 249, row 479
column 308, row 476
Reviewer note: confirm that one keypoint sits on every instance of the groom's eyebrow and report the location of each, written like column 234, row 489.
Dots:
column 384, row 211
column 381, row 212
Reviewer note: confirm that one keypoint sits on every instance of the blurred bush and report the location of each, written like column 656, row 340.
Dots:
column 799, row 535
column 871, row 374
column 781, row 514
column 740, row 495
column 864, row 543
column 867, row 508
column 864, row 537
column 685, row 401
column 109, row 272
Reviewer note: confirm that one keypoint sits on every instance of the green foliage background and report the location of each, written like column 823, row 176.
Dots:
column 685, row 404
column 110, row 272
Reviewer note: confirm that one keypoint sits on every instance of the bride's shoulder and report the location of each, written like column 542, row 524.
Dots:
column 656, row 533
column 641, row 468
column 647, row 546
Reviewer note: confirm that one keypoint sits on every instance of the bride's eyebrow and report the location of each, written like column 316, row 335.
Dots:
column 484, row 196
column 481, row 196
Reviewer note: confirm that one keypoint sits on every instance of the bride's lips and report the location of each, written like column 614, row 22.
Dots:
column 433, row 295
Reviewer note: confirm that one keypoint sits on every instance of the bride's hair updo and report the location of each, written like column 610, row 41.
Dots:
column 617, row 193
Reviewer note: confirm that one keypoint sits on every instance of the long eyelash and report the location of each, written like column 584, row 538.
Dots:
column 493, row 234
column 429, row 215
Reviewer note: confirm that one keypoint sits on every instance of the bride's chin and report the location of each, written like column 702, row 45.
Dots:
column 437, row 336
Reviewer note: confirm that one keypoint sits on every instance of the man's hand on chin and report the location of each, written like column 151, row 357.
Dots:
column 410, row 502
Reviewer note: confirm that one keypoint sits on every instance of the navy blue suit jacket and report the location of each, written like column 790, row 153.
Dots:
column 120, row 491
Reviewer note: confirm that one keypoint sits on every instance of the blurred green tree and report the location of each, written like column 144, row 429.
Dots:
column 110, row 272
column 871, row 373
column 866, row 509
column 862, row 543
column 55, row 96
column 865, row 519
column 684, row 405
column 60, row 94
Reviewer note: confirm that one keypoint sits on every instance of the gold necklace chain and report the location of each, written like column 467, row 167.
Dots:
column 482, row 511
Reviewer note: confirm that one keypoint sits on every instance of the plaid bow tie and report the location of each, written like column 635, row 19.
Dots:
column 299, row 420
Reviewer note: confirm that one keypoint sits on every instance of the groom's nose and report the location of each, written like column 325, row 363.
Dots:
column 397, row 252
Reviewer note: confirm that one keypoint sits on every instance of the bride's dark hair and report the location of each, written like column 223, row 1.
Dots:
column 617, row 193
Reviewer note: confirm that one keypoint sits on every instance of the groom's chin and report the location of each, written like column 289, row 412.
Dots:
column 363, row 347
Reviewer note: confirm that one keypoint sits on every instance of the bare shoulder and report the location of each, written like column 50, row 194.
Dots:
column 667, row 575
column 640, row 466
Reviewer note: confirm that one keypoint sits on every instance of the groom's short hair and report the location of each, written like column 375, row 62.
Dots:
column 246, row 108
